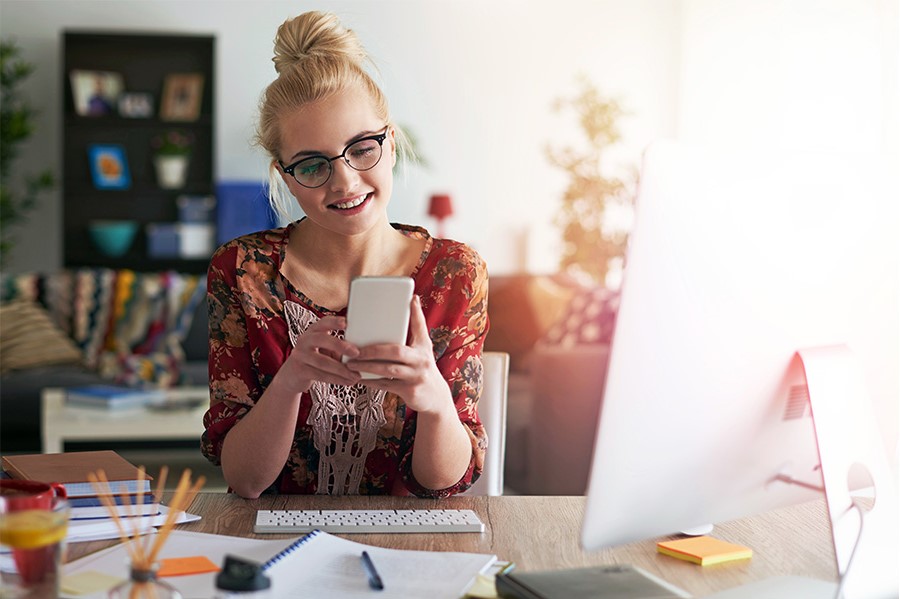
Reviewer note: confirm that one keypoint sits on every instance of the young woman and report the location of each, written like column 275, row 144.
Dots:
column 286, row 414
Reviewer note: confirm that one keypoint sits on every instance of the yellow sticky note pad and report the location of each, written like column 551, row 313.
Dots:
column 185, row 566
column 87, row 583
column 482, row 588
column 704, row 550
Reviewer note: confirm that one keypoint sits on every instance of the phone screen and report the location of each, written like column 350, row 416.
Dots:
column 378, row 311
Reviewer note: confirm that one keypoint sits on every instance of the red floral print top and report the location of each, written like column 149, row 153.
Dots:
column 255, row 313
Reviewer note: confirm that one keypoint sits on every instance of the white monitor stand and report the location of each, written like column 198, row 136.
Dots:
column 864, row 530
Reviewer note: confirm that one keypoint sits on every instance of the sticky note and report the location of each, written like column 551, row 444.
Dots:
column 184, row 566
column 482, row 588
column 704, row 550
column 87, row 583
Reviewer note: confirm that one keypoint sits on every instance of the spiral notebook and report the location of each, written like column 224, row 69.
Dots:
column 316, row 564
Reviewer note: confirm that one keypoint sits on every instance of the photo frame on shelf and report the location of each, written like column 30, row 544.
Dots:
column 109, row 166
column 182, row 96
column 95, row 93
column 136, row 105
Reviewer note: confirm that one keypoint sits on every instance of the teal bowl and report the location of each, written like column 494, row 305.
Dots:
column 113, row 237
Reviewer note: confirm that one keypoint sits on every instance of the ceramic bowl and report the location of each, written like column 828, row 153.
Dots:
column 113, row 237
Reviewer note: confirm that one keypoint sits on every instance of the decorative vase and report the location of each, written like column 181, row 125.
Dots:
column 171, row 170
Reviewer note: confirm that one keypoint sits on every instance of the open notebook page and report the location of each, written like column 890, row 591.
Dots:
column 324, row 565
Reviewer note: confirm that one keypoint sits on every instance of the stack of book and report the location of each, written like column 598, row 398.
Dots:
column 131, row 492
column 137, row 510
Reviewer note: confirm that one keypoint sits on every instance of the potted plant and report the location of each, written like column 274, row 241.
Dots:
column 172, row 155
column 591, row 244
column 18, row 195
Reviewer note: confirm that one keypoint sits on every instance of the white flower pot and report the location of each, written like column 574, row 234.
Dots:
column 171, row 171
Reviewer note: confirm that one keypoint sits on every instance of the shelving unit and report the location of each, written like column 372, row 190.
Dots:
column 144, row 61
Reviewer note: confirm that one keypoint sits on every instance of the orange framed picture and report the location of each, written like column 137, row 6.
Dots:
column 181, row 97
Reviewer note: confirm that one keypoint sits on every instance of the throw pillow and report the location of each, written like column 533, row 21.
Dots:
column 589, row 319
column 28, row 338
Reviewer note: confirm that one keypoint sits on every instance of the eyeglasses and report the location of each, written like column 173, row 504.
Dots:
column 314, row 171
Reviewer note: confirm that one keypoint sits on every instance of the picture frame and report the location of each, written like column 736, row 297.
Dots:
column 95, row 93
column 136, row 105
column 109, row 166
column 182, row 97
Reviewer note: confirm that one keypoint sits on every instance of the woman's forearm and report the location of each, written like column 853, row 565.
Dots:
column 256, row 449
column 442, row 450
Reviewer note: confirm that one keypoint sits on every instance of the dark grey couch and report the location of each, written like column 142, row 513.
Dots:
column 20, row 391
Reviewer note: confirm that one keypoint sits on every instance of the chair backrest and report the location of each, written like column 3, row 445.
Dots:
column 492, row 411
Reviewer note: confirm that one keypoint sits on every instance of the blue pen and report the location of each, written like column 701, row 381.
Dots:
column 371, row 572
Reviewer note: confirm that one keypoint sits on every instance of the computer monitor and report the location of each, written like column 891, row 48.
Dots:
column 733, row 266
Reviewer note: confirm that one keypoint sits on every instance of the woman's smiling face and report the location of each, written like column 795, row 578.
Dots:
column 350, row 202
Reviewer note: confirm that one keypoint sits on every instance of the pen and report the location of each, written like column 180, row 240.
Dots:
column 371, row 572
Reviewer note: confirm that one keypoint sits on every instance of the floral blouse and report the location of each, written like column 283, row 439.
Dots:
column 348, row 439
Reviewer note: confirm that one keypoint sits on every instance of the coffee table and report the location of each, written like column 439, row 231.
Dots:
column 61, row 422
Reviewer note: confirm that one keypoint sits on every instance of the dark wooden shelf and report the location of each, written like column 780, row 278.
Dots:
column 143, row 60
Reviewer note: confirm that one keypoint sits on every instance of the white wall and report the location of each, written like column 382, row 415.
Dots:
column 797, row 75
column 815, row 80
column 473, row 80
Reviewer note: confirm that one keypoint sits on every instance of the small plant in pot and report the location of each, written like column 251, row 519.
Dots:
column 171, row 157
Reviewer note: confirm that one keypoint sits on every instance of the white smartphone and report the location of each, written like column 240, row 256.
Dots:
column 378, row 311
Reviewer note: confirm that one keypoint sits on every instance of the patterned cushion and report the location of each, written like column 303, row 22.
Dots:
column 30, row 338
column 589, row 319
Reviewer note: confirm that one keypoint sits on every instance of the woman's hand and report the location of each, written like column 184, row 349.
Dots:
column 408, row 371
column 317, row 356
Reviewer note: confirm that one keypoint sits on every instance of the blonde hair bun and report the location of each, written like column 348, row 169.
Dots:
column 315, row 35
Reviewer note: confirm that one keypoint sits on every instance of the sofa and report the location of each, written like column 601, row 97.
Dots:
column 90, row 326
column 557, row 330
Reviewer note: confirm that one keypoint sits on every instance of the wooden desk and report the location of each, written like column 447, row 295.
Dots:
column 542, row 533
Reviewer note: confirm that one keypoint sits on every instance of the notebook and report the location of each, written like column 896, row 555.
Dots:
column 610, row 582
column 72, row 469
column 316, row 564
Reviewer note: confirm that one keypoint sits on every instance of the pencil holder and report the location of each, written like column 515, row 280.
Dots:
column 144, row 584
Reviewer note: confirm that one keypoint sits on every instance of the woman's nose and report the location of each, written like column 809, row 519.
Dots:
column 344, row 178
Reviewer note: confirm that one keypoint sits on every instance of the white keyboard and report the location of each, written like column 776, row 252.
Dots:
column 367, row 521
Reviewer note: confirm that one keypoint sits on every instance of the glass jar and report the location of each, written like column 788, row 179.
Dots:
column 144, row 584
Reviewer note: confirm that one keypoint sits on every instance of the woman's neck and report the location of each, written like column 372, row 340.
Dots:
column 376, row 252
column 321, row 264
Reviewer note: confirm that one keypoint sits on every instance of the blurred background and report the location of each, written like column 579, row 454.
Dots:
column 530, row 118
column 476, row 83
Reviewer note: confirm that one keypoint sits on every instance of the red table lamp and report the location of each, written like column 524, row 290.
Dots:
column 440, row 207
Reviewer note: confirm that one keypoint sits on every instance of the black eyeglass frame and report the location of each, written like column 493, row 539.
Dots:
column 289, row 169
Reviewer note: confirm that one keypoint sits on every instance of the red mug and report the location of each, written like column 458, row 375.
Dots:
column 17, row 495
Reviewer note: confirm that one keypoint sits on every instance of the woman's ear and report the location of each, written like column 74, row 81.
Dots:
column 391, row 136
column 284, row 176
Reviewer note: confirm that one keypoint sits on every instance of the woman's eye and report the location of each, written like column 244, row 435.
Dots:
column 310, row 169
column 362, row 151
